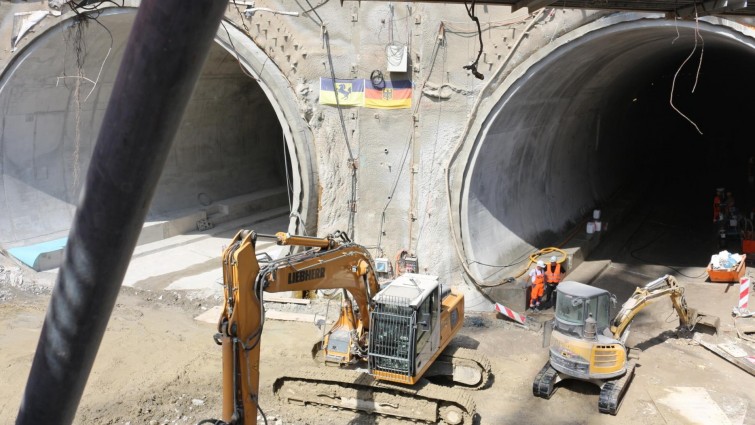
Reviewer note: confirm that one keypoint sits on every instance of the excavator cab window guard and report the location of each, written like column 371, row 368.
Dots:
column 264, row 258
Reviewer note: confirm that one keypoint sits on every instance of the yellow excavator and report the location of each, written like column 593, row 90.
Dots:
column 400, row 331
column 586, row 344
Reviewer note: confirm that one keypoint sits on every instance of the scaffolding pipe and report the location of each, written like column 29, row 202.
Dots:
column 165, row 53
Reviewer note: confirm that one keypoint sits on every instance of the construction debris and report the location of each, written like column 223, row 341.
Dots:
column 745, row 327
column 740, row 355
column 11, row 275
column 726, row 267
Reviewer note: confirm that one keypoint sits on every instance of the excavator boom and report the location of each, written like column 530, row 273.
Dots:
column 400, row 330
column 666, row 286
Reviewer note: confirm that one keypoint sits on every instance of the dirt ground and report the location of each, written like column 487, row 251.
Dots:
column 157, row 365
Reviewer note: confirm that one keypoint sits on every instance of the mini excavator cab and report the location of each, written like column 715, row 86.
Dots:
column 582, row 344
column 576, row 304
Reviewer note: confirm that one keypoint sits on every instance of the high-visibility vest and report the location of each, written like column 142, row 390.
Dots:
column 553, row 276
column 538, row 278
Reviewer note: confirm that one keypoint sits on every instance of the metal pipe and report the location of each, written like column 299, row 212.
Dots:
column 166, row 50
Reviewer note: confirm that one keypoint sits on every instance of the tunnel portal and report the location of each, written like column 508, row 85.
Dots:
column 592, row 119
column 230, row 158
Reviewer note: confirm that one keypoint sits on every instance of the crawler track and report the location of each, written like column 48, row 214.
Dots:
column 341, row 388
column 545, row 382
column 464, row 357
column 612, row 393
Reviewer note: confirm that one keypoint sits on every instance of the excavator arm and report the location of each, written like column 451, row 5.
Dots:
column 333, row 262
column 665, row 286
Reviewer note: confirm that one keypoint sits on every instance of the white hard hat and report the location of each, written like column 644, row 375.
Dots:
column 540, row 263
column 553, row 259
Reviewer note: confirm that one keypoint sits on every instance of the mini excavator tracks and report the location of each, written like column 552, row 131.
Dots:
column 354, row 390
column 612, row 392
column 545, row 382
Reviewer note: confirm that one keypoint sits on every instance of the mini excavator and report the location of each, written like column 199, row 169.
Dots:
column 586, row 345
column 400, row 331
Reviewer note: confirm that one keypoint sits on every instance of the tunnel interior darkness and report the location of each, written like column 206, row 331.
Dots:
column 593, row 119
column 229, row 145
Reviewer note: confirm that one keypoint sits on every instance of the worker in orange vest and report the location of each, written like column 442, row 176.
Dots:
column 717, row 204
column 537, row 279
column 554, row 273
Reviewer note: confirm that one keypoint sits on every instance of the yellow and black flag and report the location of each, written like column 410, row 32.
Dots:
column 349, row 92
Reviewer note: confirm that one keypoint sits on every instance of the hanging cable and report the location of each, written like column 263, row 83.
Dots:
column 288, row 181
column 433, row 192
column 473, row 66
column 673, row 82
column 352, row 161
column 434, row 55
column 457, row 149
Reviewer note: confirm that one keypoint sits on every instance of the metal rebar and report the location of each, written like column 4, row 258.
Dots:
column 166, row 50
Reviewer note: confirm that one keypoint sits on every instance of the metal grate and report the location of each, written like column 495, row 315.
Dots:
column 392, row 336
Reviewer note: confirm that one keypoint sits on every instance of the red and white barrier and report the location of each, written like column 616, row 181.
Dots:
column 744, row 296
column 511, row 314
column 744, row 292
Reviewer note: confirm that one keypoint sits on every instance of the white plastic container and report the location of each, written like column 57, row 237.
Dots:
column 590, row 227
column 598, row 225
column 596, row 214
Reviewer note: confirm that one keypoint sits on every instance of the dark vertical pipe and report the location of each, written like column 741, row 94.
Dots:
column 167, row 47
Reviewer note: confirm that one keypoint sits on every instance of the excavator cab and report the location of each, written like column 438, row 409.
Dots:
column 405, row 334
column 576, row 303
column 582, row 345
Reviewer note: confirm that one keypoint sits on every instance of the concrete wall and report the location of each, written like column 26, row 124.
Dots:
column 470, row 174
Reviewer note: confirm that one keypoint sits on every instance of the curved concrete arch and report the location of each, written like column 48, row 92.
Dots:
column 567, row 129
column 299, row 137
column 227, row 147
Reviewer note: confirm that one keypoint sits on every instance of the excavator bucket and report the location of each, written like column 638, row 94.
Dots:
column 704, row 323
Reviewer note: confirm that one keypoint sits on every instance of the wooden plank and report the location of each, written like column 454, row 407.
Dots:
column 268, row 299
column 294, row 317
column 212, row 315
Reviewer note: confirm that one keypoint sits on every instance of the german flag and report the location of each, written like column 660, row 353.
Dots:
column 389, row 95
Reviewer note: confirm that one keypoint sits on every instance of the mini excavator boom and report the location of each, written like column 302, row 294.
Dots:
column 585, row 344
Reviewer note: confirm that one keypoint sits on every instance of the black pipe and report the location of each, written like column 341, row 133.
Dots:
column 166, row 50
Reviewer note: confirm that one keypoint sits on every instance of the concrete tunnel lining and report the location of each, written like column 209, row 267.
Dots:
column 552, row 147
column 36, row 167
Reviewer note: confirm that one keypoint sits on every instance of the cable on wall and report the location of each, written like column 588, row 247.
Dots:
column 455, row 152
column 415, row 109
column 473, row 66
column 352, row 161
